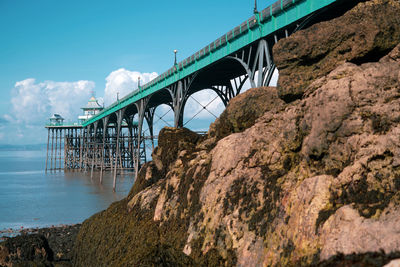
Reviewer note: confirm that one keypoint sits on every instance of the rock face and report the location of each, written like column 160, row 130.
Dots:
column 313, row 181
column 365, row 34
column 243, row 111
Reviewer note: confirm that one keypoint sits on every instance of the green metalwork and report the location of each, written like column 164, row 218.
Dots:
column 275, row 17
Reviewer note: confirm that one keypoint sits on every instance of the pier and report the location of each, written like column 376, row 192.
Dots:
column 112, row 138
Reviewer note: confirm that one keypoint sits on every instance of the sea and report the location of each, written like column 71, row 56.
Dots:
column 30, row 197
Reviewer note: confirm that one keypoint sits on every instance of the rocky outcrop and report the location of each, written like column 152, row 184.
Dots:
column 26, row 250
column 364, row 34
column 243, row 111
column 313, row 181
column 39, row 247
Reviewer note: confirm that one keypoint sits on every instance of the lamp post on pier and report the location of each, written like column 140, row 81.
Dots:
column 175, row 51
column 255, row 7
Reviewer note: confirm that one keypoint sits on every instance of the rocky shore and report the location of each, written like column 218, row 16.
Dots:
column 51, row 246
column 305, row 174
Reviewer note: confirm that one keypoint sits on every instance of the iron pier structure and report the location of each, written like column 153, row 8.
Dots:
column 76, row 148
column 244, row 54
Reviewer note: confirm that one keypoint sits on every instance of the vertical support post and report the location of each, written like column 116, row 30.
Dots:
column 121, row 149
column 60, row 151
column 94, row 148
column 131, row 145
column 66, row 156
column 141, row 107
column 179, row 93
column 120, row 114
column 149, row 116
column 56, row 152
column 47, row 150
column 260, row 63
column 52, row 150
column 111, row 148
column 105, row 124
column 82, row 131
column 177, row 103
column 87, row 146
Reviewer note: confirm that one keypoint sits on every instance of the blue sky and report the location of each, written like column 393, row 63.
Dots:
column 56, row 50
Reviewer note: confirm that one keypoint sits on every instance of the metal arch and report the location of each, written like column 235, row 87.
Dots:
column 241, row 84
column 245, row 66
column 179, row 92
column 262, row 55
column 229, row 89
column 222, row 95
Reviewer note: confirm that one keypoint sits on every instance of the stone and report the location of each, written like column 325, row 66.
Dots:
column 25, row 248
column 364, row 34
column 243, row 111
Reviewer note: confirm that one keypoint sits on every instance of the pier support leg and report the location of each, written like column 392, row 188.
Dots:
column 149, row 116
column 60, row 151
column 55, row 152
column 87, row 147
column 105, row 124
column 47, row 150
column 81, row 134
column 120, row 115
column 94, row 148
column 141, row 107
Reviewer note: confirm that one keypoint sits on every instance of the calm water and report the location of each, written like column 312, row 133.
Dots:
column 31, row 198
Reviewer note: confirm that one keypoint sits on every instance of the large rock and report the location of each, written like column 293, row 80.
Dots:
column 171, row 141
column 30, row 250
column 364, row 34
column 243, row 111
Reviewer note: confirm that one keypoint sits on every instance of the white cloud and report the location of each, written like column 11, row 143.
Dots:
column 123, row 82
column 33, row 103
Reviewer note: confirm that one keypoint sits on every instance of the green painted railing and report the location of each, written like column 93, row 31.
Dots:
column 275, row 17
